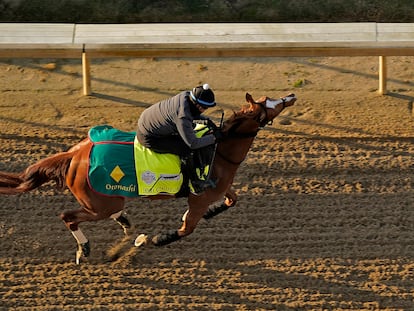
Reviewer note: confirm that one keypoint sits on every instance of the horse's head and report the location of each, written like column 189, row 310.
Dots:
column 256, row 115
column 269, row 108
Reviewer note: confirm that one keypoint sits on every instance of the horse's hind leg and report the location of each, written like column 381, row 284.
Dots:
column 122, row 220
column 72, row 220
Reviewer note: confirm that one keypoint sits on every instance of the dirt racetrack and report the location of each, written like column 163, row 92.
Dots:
column 325, row 218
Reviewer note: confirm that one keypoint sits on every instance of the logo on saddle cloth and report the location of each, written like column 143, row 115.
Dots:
column 117, row 174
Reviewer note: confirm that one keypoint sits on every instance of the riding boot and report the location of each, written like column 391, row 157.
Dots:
column 197, row 181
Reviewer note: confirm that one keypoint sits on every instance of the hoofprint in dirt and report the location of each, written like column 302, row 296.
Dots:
column 325, row 213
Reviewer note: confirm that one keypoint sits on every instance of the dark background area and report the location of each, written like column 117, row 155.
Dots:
column 162, row 11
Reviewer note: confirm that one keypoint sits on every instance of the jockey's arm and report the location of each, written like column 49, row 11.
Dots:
column 186, row 131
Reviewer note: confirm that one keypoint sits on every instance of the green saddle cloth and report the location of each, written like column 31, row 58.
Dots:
column 120, row 166
column 111, row 162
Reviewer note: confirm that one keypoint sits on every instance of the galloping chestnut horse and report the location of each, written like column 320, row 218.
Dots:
column 70, row 169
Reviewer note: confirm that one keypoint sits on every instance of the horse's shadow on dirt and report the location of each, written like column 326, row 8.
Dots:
column 256, row 278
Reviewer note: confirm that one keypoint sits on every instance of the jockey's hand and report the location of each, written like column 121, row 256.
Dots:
column 212, row 125
column 218, row 135
column 201, row 121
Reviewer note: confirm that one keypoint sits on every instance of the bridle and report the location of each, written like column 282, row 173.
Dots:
column 262, row 120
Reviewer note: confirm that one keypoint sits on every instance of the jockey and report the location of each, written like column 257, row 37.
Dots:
column 168, row 127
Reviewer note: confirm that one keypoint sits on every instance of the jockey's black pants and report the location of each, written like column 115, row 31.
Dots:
column 171, row 144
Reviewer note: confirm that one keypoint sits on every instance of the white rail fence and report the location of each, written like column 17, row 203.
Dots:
column 88, row 41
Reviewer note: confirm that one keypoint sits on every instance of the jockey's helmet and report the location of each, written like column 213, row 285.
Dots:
column 203, row 95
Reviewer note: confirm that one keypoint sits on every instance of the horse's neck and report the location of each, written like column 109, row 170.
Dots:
column 235, row 151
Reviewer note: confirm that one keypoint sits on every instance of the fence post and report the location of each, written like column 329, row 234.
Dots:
column 382, row 75
column 86, row 73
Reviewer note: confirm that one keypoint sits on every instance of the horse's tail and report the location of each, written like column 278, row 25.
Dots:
column 52, row 168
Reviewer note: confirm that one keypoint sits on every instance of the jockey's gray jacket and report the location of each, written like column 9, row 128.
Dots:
column 174, row 116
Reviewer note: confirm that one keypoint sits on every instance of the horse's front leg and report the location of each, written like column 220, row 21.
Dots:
column 197, row 208
column 230, row 200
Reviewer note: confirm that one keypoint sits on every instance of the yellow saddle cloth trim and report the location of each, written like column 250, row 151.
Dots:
column 156, row 173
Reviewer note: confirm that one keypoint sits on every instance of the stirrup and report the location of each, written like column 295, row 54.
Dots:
column 199, row 186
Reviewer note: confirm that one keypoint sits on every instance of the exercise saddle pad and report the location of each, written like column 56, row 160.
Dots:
column 120, row 166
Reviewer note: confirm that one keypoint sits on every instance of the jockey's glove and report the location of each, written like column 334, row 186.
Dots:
column 201, row 121
column 218, row 135
column 208, row 122
column 212, row 125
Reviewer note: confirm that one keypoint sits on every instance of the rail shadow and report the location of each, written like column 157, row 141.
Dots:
column 299, row 60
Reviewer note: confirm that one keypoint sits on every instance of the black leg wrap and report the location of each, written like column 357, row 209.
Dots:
column 86, row 249
column 213, row 211
column 123, row 221
column 165, row 238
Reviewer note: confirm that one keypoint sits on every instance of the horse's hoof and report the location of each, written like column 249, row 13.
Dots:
column 165, row 238
column 184, row 216
column 140, row 240
column 125, row 223
column 78, row 256
column 84, row 249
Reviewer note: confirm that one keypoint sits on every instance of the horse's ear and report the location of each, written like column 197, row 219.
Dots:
column 251, row 101
column 249, row 98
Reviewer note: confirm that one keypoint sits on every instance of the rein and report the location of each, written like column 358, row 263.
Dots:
column 243, row 135
column 234, row 134
column 237, row 136
column 263, row 122
column 227, row 159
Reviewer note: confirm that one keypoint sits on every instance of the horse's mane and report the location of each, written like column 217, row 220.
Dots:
column 245, row 113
